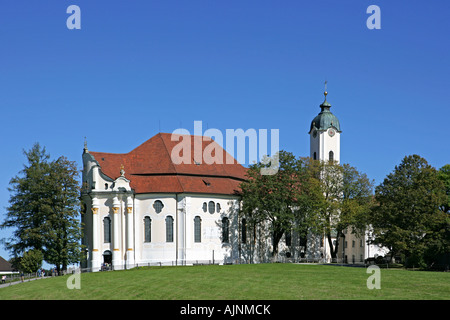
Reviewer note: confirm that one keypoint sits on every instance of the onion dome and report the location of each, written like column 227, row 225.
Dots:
column 325, row 119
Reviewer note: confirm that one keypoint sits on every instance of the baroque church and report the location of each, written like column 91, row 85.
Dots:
column 140, row 208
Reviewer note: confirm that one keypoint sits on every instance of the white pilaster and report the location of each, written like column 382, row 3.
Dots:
column 130, row 233
column 116, row 259
column 95, row 260
column 181, row 229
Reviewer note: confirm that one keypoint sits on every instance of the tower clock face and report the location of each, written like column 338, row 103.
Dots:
column 331, row 132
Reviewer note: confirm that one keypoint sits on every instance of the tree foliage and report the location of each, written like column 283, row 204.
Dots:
column 347, row 200
column 444, row 176
column 306, row 196
column 271, row 198
column 43, row 209
column 407, row 218
column 62, row 226
column 29, row 203
column 31, row 261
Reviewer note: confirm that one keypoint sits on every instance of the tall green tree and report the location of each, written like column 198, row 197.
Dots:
column 347, row 200
column 44, row 209
column 310, row 200
column 407, row 217
column 62, row 225
column 279, row 200
column 444, row 176
column 437, row 253
column 29, row 203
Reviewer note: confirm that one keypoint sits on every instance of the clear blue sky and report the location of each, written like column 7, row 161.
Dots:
column 138, row 67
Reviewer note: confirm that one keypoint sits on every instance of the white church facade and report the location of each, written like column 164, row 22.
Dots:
column 140, row 208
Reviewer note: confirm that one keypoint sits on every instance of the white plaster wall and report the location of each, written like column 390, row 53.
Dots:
column 211, row 227
column 184, row 246
column 322, row 144
column 158, row 249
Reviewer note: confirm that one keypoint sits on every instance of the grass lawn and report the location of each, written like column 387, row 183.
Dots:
column 239, row 282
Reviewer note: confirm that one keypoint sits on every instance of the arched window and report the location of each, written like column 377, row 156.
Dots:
column 107, row 230
column 315, row 156
column 197, row 229
column 158, row 206
column 147, row 229
column 211, row 207
column 205, row 207
column 169, row 229
column 331, row 156
column 218, row 207
column 225, row 230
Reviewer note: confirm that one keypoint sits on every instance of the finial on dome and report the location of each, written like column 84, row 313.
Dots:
column 325, row 104
column 122, row 171
column 85, row 146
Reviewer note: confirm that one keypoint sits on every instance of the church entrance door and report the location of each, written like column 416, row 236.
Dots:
column 107, row 260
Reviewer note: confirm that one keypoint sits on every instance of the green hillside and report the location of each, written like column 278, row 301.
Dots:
column 239, row 282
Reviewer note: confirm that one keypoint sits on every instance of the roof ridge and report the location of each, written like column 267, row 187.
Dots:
column 187, row 175
column 170, row 158
column 109, row 153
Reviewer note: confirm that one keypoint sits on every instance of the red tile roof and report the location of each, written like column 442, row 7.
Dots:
column 150, row 168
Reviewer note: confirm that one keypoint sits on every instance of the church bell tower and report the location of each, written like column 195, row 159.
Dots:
column 325, row 134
